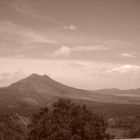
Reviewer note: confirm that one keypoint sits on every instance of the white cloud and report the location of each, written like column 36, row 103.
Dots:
column 90, row 48
column 127, row 55
column 66, row 51
column 125, row 69
column 70, row 27
column 63, row 51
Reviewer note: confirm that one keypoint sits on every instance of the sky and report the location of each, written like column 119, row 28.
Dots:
column 90, row 44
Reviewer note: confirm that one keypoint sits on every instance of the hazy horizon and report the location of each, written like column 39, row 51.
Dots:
column 89, row 44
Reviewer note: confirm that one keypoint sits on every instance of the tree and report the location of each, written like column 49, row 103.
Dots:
column 67, row 121
column 11, row 127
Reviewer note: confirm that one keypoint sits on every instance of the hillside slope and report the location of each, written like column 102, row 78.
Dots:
column 28, row 95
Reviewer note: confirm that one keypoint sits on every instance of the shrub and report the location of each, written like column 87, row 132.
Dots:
column 67, row 121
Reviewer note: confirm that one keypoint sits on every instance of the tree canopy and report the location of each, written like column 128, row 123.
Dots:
column 12, row 127
column 67, row 121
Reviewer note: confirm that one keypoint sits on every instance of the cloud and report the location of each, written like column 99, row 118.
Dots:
column 13, row 32
column 7, row 78
column 24, row 8
column 63, row 51
column 74, row 65
column 19, row 56
column 66, row 51
column 16, row 40
column 90, row 48
column 36, row 37
column 70, row 27
column 127, row 55
column 76, row 73
column 125, row 69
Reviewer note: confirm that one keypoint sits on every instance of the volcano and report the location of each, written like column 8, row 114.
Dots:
column 35, row 91
column 28, row 95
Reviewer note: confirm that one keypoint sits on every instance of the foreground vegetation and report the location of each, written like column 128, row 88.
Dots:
column 64, row 121
column 125, row 127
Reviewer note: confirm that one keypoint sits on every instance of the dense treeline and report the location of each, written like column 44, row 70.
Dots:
column 64, row 121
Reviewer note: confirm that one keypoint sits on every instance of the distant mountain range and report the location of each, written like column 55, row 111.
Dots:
column 118, row 92
column 28, row 95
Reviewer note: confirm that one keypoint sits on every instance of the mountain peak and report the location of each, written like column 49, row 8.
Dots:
column 36, row 76
column 34, row 82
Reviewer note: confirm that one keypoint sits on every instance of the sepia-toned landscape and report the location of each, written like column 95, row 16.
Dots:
column 69, row 69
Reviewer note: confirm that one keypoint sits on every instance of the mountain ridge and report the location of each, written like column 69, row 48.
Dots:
column 116, row 91
column 29, row 94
